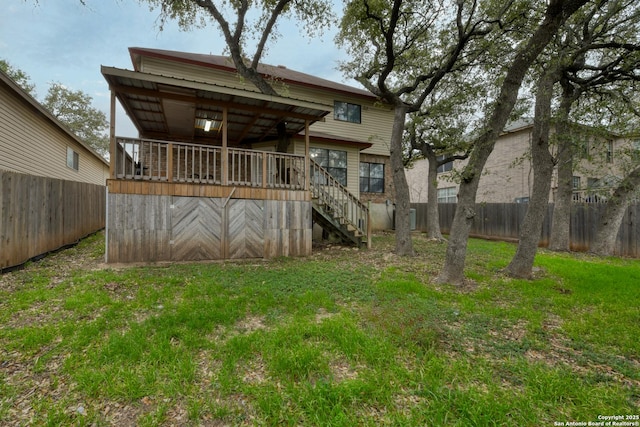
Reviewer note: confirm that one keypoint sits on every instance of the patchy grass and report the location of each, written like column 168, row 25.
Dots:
column 344, row 337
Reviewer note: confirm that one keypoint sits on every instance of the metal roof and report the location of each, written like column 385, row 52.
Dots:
column 164, row 107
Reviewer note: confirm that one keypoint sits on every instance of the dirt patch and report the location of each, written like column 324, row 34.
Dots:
column 250, row 324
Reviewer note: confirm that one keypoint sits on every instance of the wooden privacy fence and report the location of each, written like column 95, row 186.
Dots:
column 502, row 221
column 39, row 214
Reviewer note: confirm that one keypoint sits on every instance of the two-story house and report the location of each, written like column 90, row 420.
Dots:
column 208, row 177
column 508, row 175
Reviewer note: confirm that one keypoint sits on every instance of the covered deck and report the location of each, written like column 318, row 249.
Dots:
column 144, row 166
column 192, row 186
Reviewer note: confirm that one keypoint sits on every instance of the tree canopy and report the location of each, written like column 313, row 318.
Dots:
column 402, row 51
column 73, row 108
column 20, row 77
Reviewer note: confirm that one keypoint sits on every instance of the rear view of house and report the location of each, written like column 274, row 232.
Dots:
column 205, row 178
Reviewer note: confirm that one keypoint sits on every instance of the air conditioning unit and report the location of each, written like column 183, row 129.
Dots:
column 412, row 219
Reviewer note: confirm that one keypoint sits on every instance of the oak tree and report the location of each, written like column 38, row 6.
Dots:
column 555, row 15
column 401, row 51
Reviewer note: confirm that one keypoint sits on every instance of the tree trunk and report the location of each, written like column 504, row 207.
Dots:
column 404, row 245
column 561, row 221
column 522, row 263
column 609, row 224
column 433, row 214
column 555, row 15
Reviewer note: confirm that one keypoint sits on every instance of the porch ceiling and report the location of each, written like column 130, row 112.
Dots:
column 168, row 108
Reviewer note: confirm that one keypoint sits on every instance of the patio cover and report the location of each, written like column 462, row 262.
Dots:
column 170, row 108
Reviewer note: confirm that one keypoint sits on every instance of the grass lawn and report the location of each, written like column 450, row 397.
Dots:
column 342, row 338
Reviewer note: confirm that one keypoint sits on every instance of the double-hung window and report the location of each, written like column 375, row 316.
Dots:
column 446, row 167
column 447, row 195
column 372, row 177
column 73, row 159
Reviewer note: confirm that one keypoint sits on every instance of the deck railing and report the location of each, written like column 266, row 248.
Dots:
column 599, row 195
column 344, row 205
column 152, row 160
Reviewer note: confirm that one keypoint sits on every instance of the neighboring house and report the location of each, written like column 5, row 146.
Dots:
column 508, row 175
column 206, row 153
column 34, row 142
column 52, row 185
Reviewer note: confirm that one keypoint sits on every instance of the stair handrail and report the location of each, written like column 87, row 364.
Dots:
column 346, row 206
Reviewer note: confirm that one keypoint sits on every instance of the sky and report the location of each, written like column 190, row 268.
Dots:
column 66, row 42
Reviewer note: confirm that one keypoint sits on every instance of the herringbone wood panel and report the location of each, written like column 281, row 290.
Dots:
column 196, row 228
column 246, row 228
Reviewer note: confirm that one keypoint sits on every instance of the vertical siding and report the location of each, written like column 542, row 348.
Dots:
column 30, row 143
column 39, row 214
column 503, row 220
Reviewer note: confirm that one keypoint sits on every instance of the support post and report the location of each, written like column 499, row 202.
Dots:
column 225, row 152
column 307, row 163
column 112, row 136
column 170, row 162
column 369, row 225
column 265, row 157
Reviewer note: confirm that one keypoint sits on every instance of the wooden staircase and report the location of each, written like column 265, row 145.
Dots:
column 337, row 210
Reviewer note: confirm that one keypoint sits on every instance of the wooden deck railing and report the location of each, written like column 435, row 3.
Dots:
column 152, row 160
column 598, row 195
column 344, row 205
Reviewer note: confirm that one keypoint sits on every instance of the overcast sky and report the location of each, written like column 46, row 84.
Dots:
column 63, row 41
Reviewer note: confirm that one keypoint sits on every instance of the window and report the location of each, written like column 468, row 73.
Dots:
column 636, row 149
column 372, row 177
column 73, row 159
column 346, row 112
column 447, row 195
column 445, row 167
column 576, row 183
column 334, row 161
column 522, row 200
column 609, row 151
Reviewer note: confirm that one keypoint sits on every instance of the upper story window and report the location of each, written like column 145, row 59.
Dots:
column 609, row 151
column 636, row 149
column 346, row 112
column 334, row 161
column 372, row 177
column 73, row 159
column 445, row 167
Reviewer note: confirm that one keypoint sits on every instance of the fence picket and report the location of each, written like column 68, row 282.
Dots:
column 503, row 221
column 39, row 214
